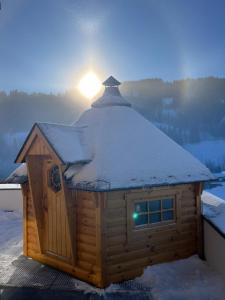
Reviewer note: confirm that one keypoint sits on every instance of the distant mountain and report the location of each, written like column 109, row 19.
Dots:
column 188, row 111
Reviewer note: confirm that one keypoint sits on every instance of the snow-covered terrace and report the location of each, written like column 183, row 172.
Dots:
column 189, row 278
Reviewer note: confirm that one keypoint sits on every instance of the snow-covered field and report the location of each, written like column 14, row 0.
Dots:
column 218, row 190
column 211, row 152
column 185, row 279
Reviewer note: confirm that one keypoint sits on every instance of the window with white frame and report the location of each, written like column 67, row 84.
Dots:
column 150, row 212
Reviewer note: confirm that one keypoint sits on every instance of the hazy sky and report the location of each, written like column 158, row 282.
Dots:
column 45, row 45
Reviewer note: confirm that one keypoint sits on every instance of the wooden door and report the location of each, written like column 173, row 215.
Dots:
column 56, row 239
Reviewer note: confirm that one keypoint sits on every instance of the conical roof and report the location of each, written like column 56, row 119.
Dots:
column 127, row 151
column 111, row 81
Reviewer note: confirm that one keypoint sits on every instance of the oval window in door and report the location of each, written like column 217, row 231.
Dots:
column 54, row 178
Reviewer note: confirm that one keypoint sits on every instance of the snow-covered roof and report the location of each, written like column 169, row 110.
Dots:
column 19, row 175
column 128, row 151
column 112, row 146
column 67, row 141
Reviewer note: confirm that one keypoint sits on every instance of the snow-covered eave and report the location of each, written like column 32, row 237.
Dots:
column 19, row 175
column 16, row 180
column 79, row 186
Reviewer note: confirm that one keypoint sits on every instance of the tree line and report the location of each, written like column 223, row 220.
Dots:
column 187, row 110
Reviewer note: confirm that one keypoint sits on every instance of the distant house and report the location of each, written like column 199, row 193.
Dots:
column 109, row 195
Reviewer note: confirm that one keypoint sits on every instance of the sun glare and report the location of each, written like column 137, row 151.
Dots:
column 89, row 85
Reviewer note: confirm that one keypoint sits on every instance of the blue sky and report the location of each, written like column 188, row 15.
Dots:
column 46, row 45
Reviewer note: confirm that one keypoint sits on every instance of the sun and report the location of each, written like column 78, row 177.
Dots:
column 89, row 85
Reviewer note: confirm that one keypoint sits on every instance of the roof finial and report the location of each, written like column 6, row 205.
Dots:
column 111, row 95
column 111, row 81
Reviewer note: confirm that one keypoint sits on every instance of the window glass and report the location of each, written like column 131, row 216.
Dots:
column 155, row 218
column 141, row 220
column 154, row 205
column 153, row 211
column 167, row 215
column 167, row 203
column 54, row 178
column 141, row 206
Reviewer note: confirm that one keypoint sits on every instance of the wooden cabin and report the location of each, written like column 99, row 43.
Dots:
column 109, row 195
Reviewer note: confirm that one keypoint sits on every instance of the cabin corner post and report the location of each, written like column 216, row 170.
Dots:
column 100, row 199
column 24, row 188
column 200, row 242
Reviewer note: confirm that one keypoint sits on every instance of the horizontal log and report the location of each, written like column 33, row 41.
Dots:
column 188, row 219
column 85, row 221
column 86, row 266
column 87, row 239
column 115, row 222
column 83, row 247
column 83, row 229
column 127, row 275
column 115, row 203
column 90, row 258
column 86, row 212
column 116, row 240
column 188, row 211
column 115, row 213
column 151, row 248
column 188, row 203
column 115, row 195
column 127, row 266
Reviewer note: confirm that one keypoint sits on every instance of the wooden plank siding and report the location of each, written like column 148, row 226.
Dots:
column 127, row 253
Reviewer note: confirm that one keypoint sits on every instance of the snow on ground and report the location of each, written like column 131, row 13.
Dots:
column 214, row 210
column 185, row 279
column 10, row 241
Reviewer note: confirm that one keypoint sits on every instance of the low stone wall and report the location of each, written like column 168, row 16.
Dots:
column 214, row 247
column 11, row 197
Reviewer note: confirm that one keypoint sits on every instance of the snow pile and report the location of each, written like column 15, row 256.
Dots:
column 185, row 279
column 214, row 210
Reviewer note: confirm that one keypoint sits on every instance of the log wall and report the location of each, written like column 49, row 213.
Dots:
column 128, row 251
